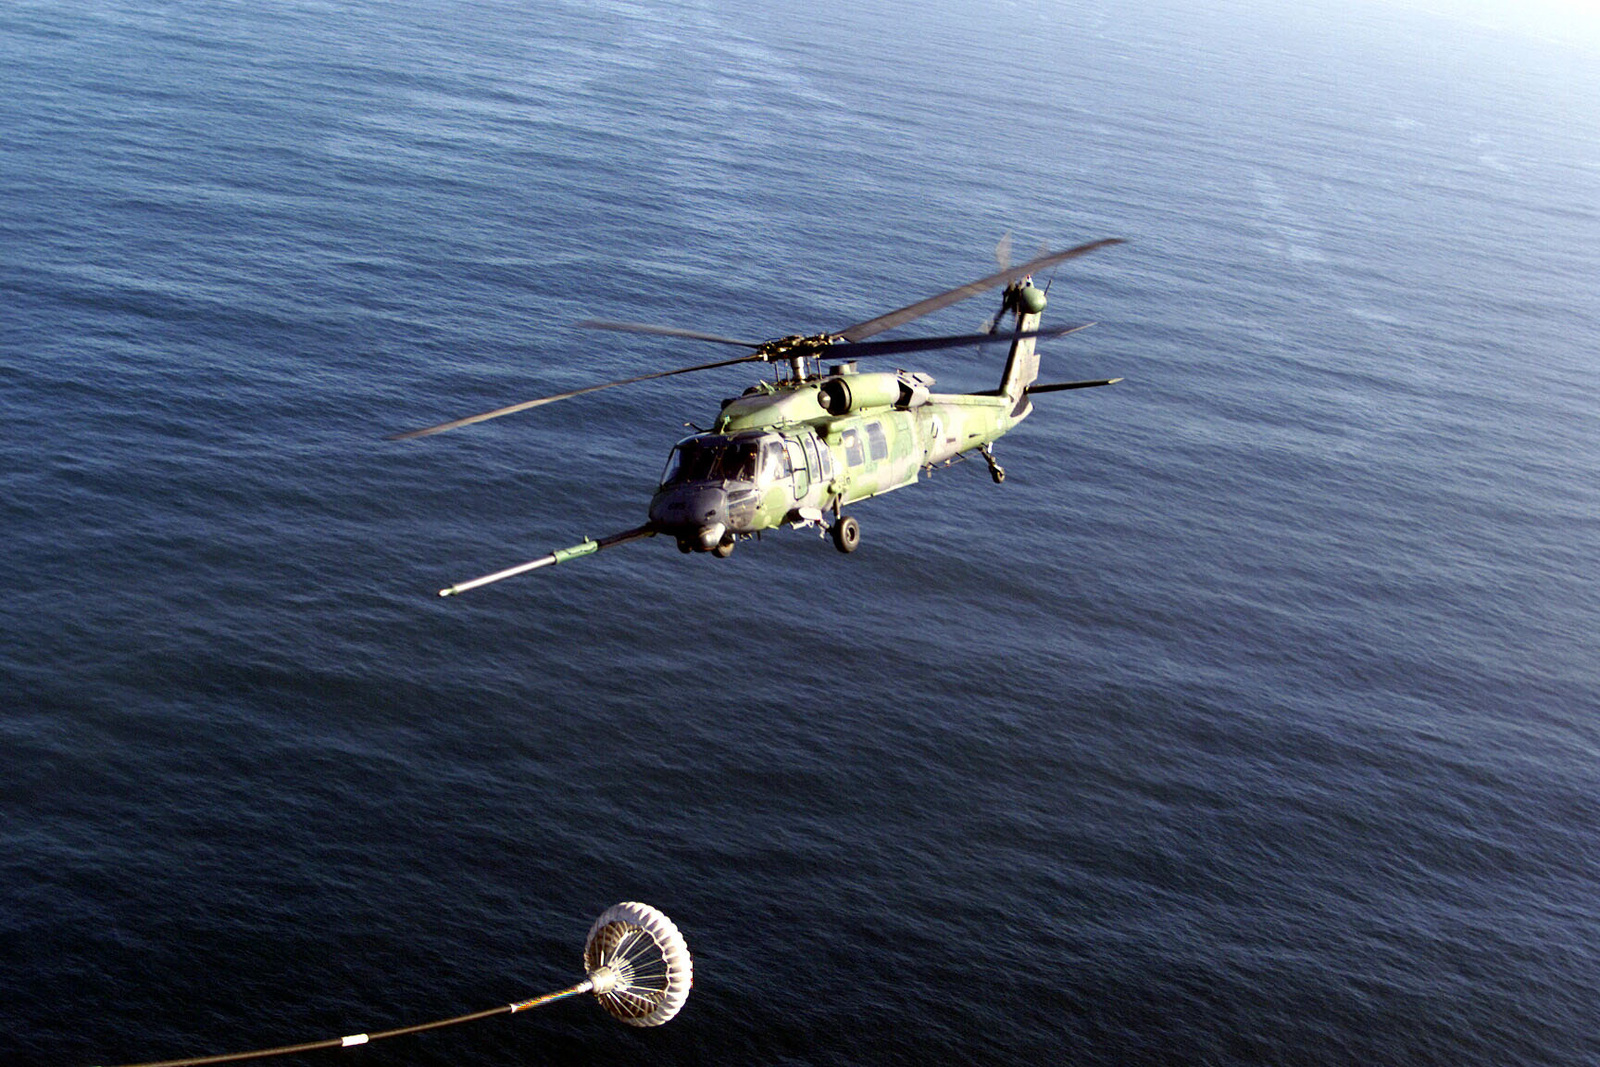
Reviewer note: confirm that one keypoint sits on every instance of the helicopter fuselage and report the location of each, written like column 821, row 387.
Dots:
column 786, row 452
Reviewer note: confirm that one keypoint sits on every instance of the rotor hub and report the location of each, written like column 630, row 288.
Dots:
column 794, row 346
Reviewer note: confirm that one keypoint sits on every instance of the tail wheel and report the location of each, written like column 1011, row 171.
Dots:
column 724, row 548
column 846, row 534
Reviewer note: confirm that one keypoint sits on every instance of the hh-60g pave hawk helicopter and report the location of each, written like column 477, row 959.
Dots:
column 790, row 451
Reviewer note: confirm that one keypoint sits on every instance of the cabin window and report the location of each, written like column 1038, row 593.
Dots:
column 811, row 458
column 853, row 453
column 877, row 444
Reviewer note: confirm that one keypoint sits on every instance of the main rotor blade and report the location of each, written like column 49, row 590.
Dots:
column 663, row 331
column 526, row 404
column 928, row 344
column 862, row 330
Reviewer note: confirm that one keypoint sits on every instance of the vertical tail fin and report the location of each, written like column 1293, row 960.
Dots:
column 1022, row 365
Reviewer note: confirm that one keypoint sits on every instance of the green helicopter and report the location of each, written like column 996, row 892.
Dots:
column 799, row 448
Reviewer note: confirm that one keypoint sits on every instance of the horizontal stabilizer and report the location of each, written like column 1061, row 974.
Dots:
column 1056, row 387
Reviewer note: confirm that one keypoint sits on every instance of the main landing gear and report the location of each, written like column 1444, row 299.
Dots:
column 845, row 529
column 846, row 533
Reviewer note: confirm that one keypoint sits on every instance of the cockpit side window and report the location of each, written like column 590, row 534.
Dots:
column 740, row 462
column 674, row 468
column 774, row 462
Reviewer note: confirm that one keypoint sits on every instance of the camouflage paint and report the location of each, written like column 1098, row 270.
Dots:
column 812, row 461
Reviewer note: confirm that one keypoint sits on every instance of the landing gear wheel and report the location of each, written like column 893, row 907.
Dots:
column 998, row 474
column 724, row 548
column 846, row 534
column 685, row 546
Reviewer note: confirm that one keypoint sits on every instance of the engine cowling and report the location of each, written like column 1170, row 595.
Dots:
column 841, row 394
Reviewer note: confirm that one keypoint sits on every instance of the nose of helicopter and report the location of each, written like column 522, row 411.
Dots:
column 698, row 512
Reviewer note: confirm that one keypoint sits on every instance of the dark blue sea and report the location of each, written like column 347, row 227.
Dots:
column 1254, row 720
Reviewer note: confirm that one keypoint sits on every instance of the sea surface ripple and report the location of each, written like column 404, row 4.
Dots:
column 1253, row 720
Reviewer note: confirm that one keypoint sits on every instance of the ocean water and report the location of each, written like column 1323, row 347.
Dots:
column 1251, row 721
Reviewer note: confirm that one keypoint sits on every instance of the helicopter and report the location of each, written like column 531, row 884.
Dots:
column 796, row 449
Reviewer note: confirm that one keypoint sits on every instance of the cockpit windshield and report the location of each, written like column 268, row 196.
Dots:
column 701, row 459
